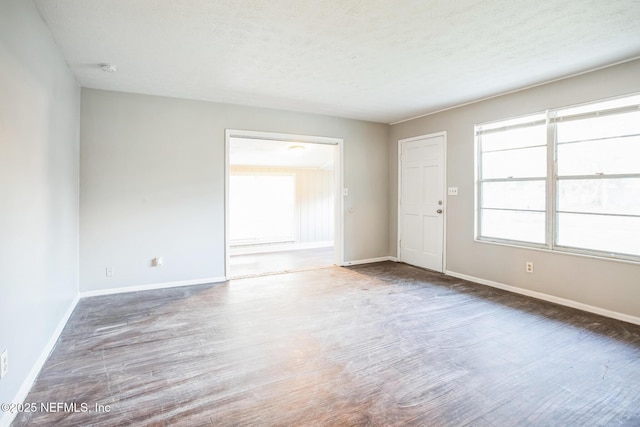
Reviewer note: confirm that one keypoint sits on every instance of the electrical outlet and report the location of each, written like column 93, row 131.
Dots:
column 109, row 272
column 529, row 267
column 157, row 262
column 4, row 363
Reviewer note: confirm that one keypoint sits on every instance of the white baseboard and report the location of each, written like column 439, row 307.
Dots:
column 547, row 297
column 8, row 417
column 369, row 261
column 152, row 286
column 278, row 247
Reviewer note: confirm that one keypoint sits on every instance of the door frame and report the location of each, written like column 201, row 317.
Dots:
column 338, row 185
column 444, row 192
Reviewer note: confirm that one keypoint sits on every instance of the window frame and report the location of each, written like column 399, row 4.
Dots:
column 551, row 118
column 528, row 120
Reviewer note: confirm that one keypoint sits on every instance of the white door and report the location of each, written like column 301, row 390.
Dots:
column 422, row 203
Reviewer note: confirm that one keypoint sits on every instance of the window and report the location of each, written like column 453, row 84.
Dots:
column 513, row 159
column 567, row 179
column 262, row 208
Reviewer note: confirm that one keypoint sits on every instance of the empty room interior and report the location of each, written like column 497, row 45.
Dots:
column 310, row 213
column 281, row 202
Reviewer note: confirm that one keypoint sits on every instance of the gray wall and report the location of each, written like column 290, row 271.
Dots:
column 39, row 145
column 152, row 184
column 610, row 285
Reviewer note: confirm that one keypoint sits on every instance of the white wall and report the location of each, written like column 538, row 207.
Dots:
column 39, row 146
column 152, row 183
column 610, row 285
column 314, row 200
column 314, row 206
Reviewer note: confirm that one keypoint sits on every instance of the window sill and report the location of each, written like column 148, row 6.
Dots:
column 559, row 251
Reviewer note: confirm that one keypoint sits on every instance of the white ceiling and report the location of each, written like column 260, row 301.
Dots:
column 377, row 60
column 271, row 153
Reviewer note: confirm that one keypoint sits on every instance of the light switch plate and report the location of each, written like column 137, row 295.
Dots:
column 452, row 191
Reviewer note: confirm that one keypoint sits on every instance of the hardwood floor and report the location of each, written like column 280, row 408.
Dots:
column 281, row 261
column 377, row 345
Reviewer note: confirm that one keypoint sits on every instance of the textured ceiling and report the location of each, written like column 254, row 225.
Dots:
column 376, row 60
column 271, row 153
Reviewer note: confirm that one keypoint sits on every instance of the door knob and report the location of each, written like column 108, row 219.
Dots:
column 439, row 211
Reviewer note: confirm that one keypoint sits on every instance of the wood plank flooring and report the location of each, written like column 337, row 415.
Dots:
column 377, row 345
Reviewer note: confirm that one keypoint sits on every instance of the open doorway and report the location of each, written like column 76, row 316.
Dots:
column 283, row 203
